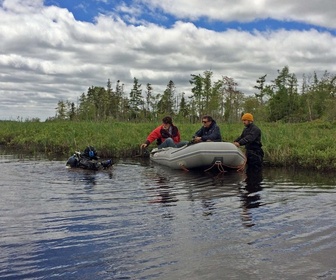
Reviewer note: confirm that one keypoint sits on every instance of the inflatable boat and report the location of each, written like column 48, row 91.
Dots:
column 204, row 155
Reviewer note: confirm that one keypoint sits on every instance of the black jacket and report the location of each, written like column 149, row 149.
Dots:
column 211, row 133
column 250, row 137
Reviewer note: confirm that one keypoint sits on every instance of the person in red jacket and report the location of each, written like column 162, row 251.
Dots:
column 166, row 135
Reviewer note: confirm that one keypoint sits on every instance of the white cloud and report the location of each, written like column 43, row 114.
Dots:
column 319, row 13
column 47, row 56
column 22, row 6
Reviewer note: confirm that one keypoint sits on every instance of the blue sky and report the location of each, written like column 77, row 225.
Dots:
column 89, row 10
column 54, row 50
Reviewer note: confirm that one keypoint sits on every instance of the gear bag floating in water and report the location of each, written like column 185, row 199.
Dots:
column 88, row 160
column 90, row 152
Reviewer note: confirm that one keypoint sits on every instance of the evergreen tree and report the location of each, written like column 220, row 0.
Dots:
column 72, row 111
column 232, row 99
column 149, row 100
column 207, row 96
column 119, row 102
column 284, row 102
column 86, row 110
column 198, row 97
column 136, row 100
column 183, row 108
column 261, row 87
column 61, row 110
column 278, row 100
column 211, row 96
column 166, row 103
column 319, row 96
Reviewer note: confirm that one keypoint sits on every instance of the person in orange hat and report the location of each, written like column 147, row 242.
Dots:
column 251, row 139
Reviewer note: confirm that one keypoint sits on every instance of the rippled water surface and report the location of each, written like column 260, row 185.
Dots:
column 143, row 221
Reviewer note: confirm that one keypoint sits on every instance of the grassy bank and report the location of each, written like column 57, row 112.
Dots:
column 305, row 145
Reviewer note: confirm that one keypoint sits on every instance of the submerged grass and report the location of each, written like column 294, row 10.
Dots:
column 307, row 145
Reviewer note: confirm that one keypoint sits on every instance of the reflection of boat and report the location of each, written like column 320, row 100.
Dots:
column 200, row 155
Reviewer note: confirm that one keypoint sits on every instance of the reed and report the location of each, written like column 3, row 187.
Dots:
column 307, row 145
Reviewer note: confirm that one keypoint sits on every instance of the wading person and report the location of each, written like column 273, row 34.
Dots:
column 251, row 139
column 166, row 135
column 208, row 132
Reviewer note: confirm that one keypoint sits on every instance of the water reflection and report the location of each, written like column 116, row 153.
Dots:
column 214, row 187
column 87, row 178
column 170, row 186
column 250, row 194
column 164, row 192
column 58, row 223
column 209, row 207
column 302, row 176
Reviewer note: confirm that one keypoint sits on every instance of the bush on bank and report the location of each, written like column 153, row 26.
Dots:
column 305, row 145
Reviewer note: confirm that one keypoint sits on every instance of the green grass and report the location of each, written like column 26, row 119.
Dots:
column 306, row 145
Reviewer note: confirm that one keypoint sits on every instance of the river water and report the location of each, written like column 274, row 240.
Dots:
column 144, row 221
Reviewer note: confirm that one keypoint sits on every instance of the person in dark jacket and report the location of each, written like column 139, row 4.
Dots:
column 251, row 139
column 166, row 135
column 209, row 131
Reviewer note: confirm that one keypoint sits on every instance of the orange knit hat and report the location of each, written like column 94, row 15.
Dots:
column 247, row 117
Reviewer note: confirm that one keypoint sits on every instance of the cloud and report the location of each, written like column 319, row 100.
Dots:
column 22, row 6
column 47, row 55
column 310, row 11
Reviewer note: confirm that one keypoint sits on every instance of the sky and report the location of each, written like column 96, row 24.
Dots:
column 55, row 50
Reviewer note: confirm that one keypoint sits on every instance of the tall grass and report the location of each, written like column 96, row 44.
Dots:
column 307, row 145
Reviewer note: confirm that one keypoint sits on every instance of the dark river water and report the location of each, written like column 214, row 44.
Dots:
column 144, row 221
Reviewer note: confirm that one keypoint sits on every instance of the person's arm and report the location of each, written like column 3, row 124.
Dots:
column 198, row 135
column 199, row 132
column 251, row 136
column 155, row 134
column 236, row 142
column 177, row 138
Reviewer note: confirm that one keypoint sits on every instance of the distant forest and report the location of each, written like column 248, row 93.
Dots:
column 284, row 99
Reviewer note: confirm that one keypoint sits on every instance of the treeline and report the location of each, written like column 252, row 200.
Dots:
column 283, row 99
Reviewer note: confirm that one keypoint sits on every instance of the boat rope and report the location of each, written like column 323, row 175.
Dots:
column 183, row 167
column 239, row 167
column 219, row 165
column 242, row 166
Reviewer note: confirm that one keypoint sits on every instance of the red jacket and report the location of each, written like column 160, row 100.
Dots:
column 161, row 135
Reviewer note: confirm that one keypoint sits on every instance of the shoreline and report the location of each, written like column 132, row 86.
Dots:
column 299, row 145
column 134, row 154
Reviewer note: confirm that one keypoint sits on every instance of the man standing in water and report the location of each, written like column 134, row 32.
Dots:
column 251, row 139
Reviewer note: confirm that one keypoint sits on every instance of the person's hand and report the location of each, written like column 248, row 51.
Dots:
column 236, row 144
column 144, row 145
column 197, row 139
